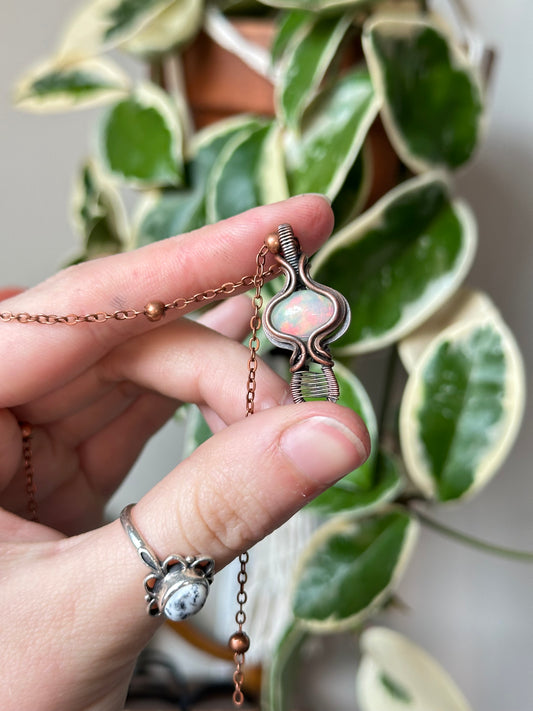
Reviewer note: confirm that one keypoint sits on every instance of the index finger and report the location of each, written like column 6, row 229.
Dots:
column 180, row 266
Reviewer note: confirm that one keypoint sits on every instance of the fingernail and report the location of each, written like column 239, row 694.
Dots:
column 323, row 449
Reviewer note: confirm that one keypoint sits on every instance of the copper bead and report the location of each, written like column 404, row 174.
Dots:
column 26, row 429
column 154, row 310
column 239, row 643
column 273, row 243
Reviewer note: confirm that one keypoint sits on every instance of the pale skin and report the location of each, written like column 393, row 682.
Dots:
column 71, row 589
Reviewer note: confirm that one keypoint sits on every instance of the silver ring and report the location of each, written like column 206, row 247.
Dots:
column 177, row 587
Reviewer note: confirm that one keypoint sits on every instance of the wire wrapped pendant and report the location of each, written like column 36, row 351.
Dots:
column 306, row 317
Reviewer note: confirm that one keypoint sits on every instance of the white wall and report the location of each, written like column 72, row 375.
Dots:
column 473, row 611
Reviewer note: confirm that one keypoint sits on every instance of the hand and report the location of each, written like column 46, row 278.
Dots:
column 74, row 615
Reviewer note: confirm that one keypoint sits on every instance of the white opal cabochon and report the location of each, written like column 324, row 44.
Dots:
column 301, row 313
column 187, row 600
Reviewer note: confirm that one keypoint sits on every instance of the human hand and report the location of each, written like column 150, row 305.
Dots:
column 94, row 393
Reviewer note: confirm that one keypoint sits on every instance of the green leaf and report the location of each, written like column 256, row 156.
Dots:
column 176, row 25
column 314, row 5
column 432, row 104
column 169, row 213
column 354, row 192
column 288, row 25
column 103, row 24
column 276, row 694
column 173, row 212
column 334, row 129
column 63, row 86
column 128, row 14
column 141, row 139
column 395, row 690
column 249, row 172
column 98, row 213
column 308, row 56
column 350, row 567
column 398, row 262
column 378, row 479
column 197, row 430
column 462, row 407
column 349, row 495
column 394, row 673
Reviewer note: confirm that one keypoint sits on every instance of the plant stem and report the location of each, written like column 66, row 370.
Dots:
column 157, row 73
column 524, row 556
column 390, row 374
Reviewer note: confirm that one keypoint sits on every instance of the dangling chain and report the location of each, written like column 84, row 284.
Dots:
column 26, row 430
column 239, row 641
column 154, row 311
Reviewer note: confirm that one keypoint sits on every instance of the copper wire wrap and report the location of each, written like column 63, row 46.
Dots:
column 310, row 351
column 307, row 385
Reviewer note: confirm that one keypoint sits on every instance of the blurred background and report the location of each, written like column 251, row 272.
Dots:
column 472, row 611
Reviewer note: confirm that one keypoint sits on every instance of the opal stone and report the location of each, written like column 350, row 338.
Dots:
column 187, row 600
column 301, row 313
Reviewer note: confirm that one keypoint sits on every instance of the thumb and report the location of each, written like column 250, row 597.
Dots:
column 236, row 488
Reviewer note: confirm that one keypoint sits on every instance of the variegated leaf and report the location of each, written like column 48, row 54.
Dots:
column 315, row 5
column 333, row 132
column 98, row 213
column 141, row 139
column 288, row 24
column 462, row 407
column 377, row 480
column 307, row 57
column 276, row 694
column 432, row 103
column 172, row 212
column 395, row 674
column 399, row 262
column 350, row 567
column 61, row 85
column 354, row 192
column 249, row 172
column 176, row 25
column 102, row 24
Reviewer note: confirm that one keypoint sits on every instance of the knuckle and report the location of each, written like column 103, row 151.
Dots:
column 227, row 523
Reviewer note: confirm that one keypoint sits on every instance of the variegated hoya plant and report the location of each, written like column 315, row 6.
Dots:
column 401, row 260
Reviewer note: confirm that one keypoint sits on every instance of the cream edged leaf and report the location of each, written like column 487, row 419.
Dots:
column 173, row 27
column 398, row 262
column 102, row 24
column 141, row 139
column 350, row 567
column 63, row 85
column 432, row 99
column 462, row 405
column 395, row 674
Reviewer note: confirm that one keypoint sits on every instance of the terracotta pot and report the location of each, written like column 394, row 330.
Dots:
column 219, row 84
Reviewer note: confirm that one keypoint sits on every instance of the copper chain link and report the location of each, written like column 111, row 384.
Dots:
column 242, row 577
column 26, row 430
column 159, row 308
column 128, row 314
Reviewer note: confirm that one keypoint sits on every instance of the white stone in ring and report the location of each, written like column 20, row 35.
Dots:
column 186, row 600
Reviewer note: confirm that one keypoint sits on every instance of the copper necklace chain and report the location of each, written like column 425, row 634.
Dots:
column 154, row 311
